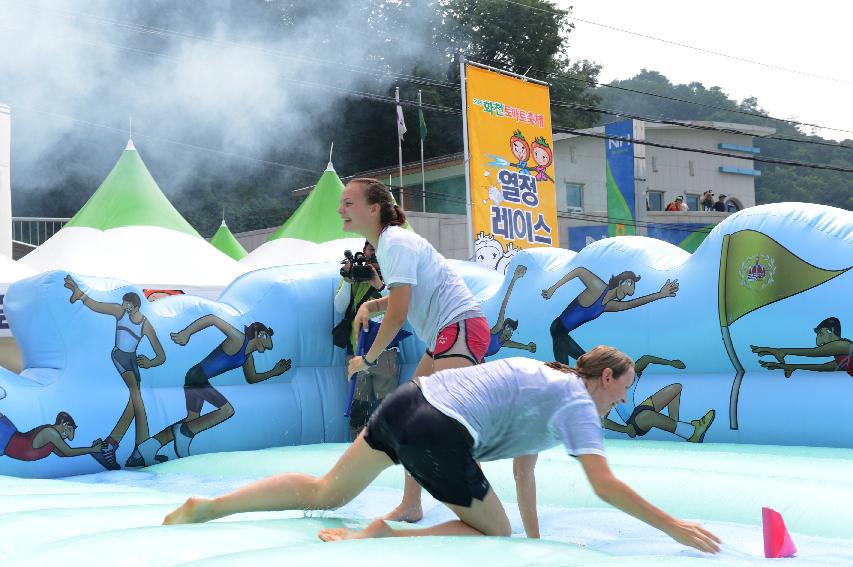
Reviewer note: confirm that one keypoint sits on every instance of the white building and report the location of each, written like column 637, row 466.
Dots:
column 669, row 172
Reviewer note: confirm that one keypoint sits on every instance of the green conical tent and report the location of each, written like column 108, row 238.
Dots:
column 129, row 196
column 225, row 242
column 317, row 219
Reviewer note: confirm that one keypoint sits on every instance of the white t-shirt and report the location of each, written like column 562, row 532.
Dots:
column 517, row 406
column 438, row 293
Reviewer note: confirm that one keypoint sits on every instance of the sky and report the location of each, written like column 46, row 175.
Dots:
column 810, row 39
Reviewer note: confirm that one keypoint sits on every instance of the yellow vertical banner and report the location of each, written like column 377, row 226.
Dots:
column 511, row 164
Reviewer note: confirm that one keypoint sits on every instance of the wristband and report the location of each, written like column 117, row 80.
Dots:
column 368, row 363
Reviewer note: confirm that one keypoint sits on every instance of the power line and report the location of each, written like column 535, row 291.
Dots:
column 593, row 217
column 679, row 44
column 164, row 33
column 430, row 81
column 411, row 190
column 137, row 133
column 592, row 82
column 687, row 124
column 439, row 108
column 703, row 151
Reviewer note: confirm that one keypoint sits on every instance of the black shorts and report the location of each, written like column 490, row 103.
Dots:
column 632, row 420
column 197, row 390
column 434, row 448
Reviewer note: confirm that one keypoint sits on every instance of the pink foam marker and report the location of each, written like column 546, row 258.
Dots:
column 777, row 540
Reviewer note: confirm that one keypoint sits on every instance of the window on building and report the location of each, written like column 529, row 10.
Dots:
column 690, row 167
column 445, row 196
column 692, row 202
column 654, row 200
column 654, row 163
column 574, row 197
column 572, row 157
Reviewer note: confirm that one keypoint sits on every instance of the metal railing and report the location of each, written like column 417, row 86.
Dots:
column 35, row 230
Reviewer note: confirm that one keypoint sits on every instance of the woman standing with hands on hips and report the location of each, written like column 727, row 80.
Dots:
column 423, row 289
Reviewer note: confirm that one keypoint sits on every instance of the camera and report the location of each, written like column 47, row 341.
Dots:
column 360, row 269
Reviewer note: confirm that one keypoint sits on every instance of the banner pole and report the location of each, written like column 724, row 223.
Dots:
column 467, row 159
column 400, row 151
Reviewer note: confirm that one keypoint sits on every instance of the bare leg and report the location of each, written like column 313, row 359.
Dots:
column 669, row 398
column 210, row 419
column 481, row 518
column 410, row 509
column 139, row 415
column 649, row 419
column 353, row 472
column 123, row 423
column 166, row 436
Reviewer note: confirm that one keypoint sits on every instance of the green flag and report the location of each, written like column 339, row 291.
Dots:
column 755, row 271
column 422, row 124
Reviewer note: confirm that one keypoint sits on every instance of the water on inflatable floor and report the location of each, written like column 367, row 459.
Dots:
column 113, row 518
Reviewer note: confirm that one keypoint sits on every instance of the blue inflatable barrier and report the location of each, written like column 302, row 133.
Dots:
column 742, row 341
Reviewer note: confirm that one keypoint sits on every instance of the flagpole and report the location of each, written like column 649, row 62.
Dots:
column 467, row 159
column 727, row 337
column 399, row 144
column 423, row 178
column 739, row 372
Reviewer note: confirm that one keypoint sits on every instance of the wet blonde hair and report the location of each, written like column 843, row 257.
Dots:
column 591, row 364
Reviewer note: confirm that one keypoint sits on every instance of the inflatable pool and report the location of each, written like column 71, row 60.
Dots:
column 112, row 518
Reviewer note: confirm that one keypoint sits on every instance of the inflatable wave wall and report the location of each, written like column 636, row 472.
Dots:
column 742, row 341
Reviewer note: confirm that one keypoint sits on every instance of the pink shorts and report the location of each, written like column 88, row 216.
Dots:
column 468, row 338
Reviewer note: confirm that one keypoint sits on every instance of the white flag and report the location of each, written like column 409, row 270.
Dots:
column 401, row 124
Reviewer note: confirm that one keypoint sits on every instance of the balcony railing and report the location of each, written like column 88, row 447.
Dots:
column 35, row 230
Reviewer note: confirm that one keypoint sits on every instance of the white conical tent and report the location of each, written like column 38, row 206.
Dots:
column 10, row 272
column 129, row 230
column 313, row 233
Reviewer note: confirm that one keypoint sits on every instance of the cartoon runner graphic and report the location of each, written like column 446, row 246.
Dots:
column 41, row 441
column 829, row 344
column 640, row 418
column 503, row 329
column 543, row 156
column 232, row 353
column 131, row 327
column 597, row 297
column 521, row 150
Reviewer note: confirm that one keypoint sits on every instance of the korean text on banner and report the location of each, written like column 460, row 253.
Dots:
column 511, row 173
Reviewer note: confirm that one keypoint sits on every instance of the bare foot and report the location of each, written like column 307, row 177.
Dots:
column 404, row 513
column 195, row 510
column 377, row 528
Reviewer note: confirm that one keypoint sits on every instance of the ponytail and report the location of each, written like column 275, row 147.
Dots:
column 376, row 193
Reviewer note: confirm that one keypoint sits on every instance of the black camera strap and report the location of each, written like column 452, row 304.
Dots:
column 342, row 333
